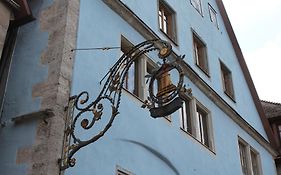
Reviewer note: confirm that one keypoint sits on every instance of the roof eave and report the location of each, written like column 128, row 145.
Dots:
column 246, row 73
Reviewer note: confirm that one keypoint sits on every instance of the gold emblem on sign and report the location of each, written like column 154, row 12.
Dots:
column 164, row 51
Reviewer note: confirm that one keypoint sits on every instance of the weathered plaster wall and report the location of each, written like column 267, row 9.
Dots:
column 136, row 141
column 39, row 80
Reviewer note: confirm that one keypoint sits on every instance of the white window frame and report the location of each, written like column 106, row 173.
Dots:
column 194, row 130
column 249, row 162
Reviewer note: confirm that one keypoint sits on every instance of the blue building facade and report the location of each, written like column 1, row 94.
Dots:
column 219, row 130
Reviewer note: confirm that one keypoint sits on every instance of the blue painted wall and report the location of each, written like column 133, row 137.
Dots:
column 218, row 48
column 26, row 71
column 155, row 146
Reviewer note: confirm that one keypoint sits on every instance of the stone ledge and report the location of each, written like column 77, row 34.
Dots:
column 42, row 114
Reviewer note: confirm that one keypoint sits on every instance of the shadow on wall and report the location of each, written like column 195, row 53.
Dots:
column 154, row 152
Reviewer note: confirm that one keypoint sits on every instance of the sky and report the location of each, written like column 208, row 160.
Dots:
column 257, row 26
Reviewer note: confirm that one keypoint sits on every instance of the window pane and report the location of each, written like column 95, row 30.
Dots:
column 131, row 79
column 243, row 160
column 149, row 70
column 160, row 20
column 185, row 117
column 227, row 81
column 200, row 54
column 166, row 20
column 201, row 128
column 254, row 159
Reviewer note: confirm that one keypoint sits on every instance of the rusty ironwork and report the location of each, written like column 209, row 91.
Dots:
column 85, row 114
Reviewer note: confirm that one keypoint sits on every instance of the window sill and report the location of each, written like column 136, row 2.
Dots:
column 172, row 40
column 133, row 95
column 229, row 96
column 205, row 72
column 189, row 134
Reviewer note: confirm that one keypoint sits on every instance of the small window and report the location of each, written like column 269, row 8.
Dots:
column 227, row 81
column 166, row 18
column 201, row 120
column 121, row 171
column 249, row 159
column 200, row 54
column 197, row 5
column 213, row 16
column 196, row 120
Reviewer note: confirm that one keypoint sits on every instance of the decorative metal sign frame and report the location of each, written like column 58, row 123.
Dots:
column 160, row 104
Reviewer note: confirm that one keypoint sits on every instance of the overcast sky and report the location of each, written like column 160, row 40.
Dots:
column 257, row 25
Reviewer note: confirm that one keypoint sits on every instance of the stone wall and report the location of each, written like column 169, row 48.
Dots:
column 60, row 21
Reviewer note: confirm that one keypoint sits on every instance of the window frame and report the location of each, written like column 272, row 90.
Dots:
column 171, row 32
column 200, row 10
column 141, row 69
column 248, row 158
column 125, row 47
column 213, row 11
column 201, row 62
column 227, row 81
column 193, row 104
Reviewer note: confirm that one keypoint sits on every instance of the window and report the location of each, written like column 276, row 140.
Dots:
column 243, row 160
column 135, row 82
column 227, row 81
column 186, row 116
column 197, row 5
column 131, row 79
column 121, row 171
column 196, row 120
column 200, row 54
column 249, row 159
column 201, row 125
column 213, row 16
column 166, row 18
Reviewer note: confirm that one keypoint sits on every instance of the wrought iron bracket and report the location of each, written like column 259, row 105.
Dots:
column 80, row 110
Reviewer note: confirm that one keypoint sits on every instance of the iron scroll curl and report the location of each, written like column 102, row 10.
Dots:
column 111, row 92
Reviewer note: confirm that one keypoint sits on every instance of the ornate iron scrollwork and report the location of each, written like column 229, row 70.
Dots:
column 160, row 104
